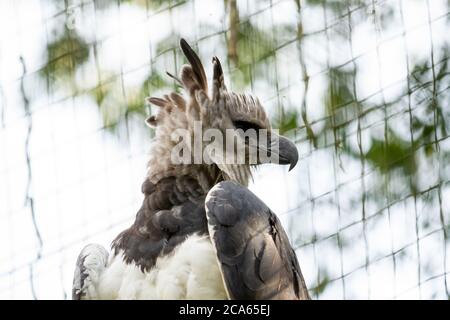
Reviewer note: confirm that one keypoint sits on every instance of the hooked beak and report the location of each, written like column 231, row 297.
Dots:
column 287, row 152
column 280, row 150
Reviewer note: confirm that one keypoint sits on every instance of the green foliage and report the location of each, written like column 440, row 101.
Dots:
column 431, row 92
column 287, row 121
column 116, row 108
column 340, row 91
column 340, row 103
column 155, row 81
column 322, row 283
column 391, row 154
column 254, row 46
column 64, row 55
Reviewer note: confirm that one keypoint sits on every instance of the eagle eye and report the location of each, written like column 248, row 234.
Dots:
column 245, row 125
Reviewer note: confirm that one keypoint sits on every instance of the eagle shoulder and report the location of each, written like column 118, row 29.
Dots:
column 254, row 253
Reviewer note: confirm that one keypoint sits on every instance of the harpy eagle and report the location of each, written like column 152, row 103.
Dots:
column 200, row 233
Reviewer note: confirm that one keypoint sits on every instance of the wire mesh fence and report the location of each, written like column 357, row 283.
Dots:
column 361, row 85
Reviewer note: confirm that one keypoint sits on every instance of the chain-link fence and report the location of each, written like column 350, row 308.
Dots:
column 361, row 85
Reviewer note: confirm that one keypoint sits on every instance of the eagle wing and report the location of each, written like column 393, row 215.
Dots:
column 91, row 262
column 253, row 250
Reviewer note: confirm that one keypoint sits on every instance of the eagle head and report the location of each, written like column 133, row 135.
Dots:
column 222, row 133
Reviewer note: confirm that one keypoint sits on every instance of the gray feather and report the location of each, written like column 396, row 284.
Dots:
column 91, row 262
column 256, row 259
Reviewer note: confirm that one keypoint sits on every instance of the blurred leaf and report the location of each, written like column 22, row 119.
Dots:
column 322, row 284
column 63, row 56
column 340, row 91
column 115, row 111
column 99, row 94
column 136, row 103
column 154, row 82
column 396, row 153
column 340, row 104
column 430, row 91
column 253, row 46
column 287, row 121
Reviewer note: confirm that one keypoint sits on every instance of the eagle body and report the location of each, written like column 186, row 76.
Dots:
column 189, row 272
column 200, row 233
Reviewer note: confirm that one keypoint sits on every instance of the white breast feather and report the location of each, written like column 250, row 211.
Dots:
column 189, row 272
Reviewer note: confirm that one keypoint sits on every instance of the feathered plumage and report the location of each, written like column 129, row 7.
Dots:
column 200, row 233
